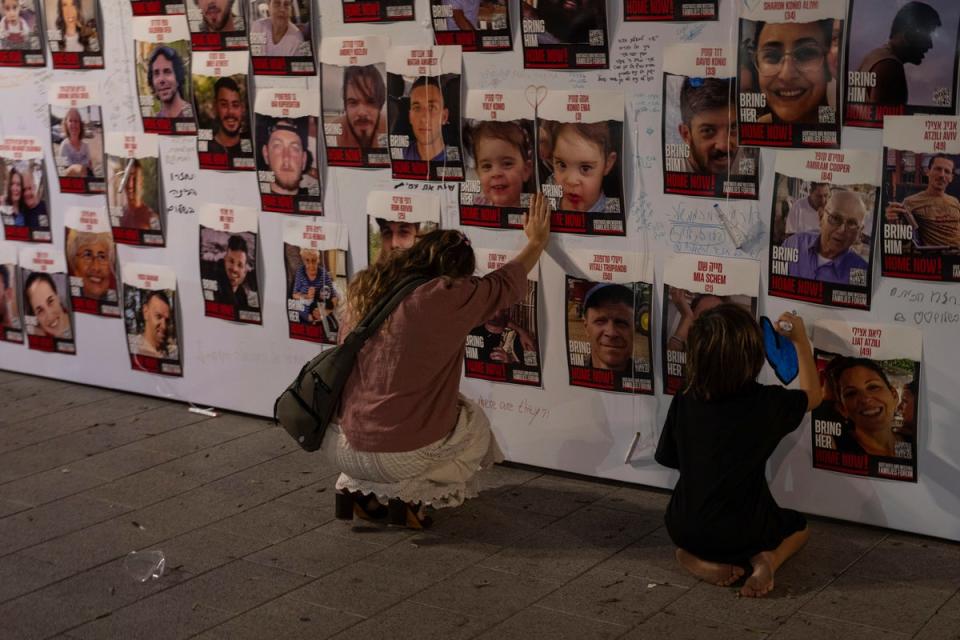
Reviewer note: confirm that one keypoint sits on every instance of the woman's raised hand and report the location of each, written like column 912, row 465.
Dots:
column 536, row 222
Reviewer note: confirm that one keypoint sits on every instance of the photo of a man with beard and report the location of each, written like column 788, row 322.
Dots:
column 230, row 107
column 286, row 156
column 363, row 123
column 218, row 16
column 157, row 338
column 166, row 77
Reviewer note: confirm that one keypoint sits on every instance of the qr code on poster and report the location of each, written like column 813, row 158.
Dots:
column 858, row 277
column 596, row 37
column 942, row 97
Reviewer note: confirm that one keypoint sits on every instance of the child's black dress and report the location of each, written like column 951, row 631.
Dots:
column 721, row 509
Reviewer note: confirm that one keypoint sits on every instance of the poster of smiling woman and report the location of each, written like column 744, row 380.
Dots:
column 47, row 315
column 23, row 190
column 76, row 132
column 91, row 261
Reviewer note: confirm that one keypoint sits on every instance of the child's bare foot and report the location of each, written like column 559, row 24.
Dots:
column 760, row 582
column 722, row 575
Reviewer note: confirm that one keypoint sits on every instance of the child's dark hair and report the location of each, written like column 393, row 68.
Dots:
column 724, row 352
column 509, row 132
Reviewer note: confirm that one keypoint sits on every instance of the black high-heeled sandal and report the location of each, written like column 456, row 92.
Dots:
column 407, row 514
column 356, row 505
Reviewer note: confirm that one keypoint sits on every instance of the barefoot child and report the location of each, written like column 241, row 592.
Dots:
column 719, row 433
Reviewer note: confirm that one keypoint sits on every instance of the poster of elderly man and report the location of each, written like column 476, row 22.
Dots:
column 76, row 131
column 228, row 263
column 91, row 261
column 315, row 260
column 827, row 259
column 47, row 315
column 23, row 190
column 162, row 54
column 11, row 323
column 150, row 318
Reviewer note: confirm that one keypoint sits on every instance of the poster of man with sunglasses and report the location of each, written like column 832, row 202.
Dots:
column 827, row 260
column 789, row 87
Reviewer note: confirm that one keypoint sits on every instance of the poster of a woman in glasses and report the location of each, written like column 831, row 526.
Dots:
column 788, row 76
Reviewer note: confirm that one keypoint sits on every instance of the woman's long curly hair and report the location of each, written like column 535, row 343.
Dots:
column 437, row 254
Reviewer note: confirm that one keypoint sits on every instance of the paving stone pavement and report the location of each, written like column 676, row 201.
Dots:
column 245, row 519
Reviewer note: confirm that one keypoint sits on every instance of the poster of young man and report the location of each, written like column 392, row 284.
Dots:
column 228, row 263
column 133, row 188
column 11, row 324
column 315, row 258
column 701, row 155
column 76, row 132
column 423, row 86
column 286, row 140
column 475, row 25
column 281, row 41
column 669, row 10
column 822, row 226
column 506, row 347
column 91, row 262
column 377, row 10
column 498, row 138
column 20, row 28
column 795, row 103
column 216, row 25
column 150, row 318
column 691, row 285
column 867, row 422
column 162, row 50
column 224, row 134
column 73, row 33
column 23, row 185
column 901, row 59
column 920, row 229
column 564, row 34
column 397, row 219
column 580, row 148
column 46, row 301
column 609, row 321
column 354, row 97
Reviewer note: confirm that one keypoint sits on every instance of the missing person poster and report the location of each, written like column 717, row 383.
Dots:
column 609, row 324
column 901, row 60
column 354, row 97
column 150, row 318
column 11, row 322
column 475, row 25
column 793, row 104
column 564, row 34
column 694, row 284
column 397, row 219
column 423, row 86
column 162, row 51
column 315, row 259
column 867, row 422
column 701, row 155
column 822, row 226
column 224, row 134
column 74, row 34
column 46, row 301
column 91, row 262
column 286, row 138
column 580, row 152
column 669, row 10
column 498, row 138
column 76, row 131
column 920, row 229
column 23, row 184
column 506, row 347
column 21, row 44
column 377, row 10
column 133, row 188
column 228, row 263
column 158, row 7
column 281, row 40
column 216, row 25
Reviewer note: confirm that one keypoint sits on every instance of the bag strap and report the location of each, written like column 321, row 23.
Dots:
column 385, row 306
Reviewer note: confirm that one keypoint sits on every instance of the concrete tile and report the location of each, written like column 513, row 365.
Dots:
column 940, row 628
column 554, row 496
column 238, row 586
column 53, row 519
column 163, row 616
column 491, row 595
column 25, row 386
column 20, row 574
column 7, row 377
column 203, row 549
column 53, row 398
column 36, row 617
column 143, row 488
column 202, row 433
column 272, row 522
column 646, row 501
column 537, row 623
column 95, row 545
column 119, row 462
column 724, row 604
column 48, row 486
column 895, row 606
column 804, row 626
column 679, row 627
column 375, row 532
column 651, row 558
column 265, row 481
column 500, row 478
column 916, row 560
column 229, row 457
column 318, row 495
column 412, row 621
column 10, row 507
column 283, row 619
column 951, row 608
column 607, row 528
column 185, row 512
column 612, row 597
column 433, row 557
column 313, row 554
column 491, row 522
column 363, row 588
